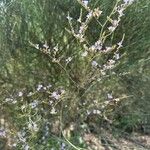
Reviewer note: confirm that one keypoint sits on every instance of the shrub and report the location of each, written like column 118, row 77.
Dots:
column 82, row 66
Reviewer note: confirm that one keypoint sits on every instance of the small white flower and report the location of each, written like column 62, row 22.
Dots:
column 45, row 46
column 111, row 28
column 49, row 86
column 26, row 147
column 8, row 100
column 94, row 64
column 85, row 2
column 115, row 23
column 34, row 104
column 33, row 126
column 120, row 11
column 96, row 111
column 109, row 96
column 21, row 136
column 37, row 46
column 44, row 88
column 117, row 56
column 63, row 145
column 68, row 59
column 82, row 28
column 103, row 72
column 99, row 79
column 53, row 111
column 84, row 54
column 30, row 94
column 117, row 99
column 92, row 48
column 69, row 18
column 128, row 1
column 111, row 61
column 14, row 144
column 89, row 15
column 14, row 101
column 98, row 45
column 120, row 44
column 88, row 112
column 79, row 19
column 55, row 95
column 20, row 94
column 56, row 49
column 97, row 12
column 106, row 103
column 23, row 107
column 62, row 91
column 39, row 87
column 50, row 102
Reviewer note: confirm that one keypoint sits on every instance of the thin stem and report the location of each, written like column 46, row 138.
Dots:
column 101, row 33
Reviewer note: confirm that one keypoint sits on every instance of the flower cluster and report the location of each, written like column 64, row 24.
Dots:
column 80, row 34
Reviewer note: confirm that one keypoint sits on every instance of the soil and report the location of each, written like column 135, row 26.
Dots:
column 106, row 141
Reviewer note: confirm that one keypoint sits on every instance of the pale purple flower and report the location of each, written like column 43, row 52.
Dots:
column 94, row 64
column 82, row 28
column 63, row 145
column 128, row 1
column 2, row 133
column 98, row 45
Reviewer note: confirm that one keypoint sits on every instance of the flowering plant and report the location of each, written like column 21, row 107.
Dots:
column 84, row 75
